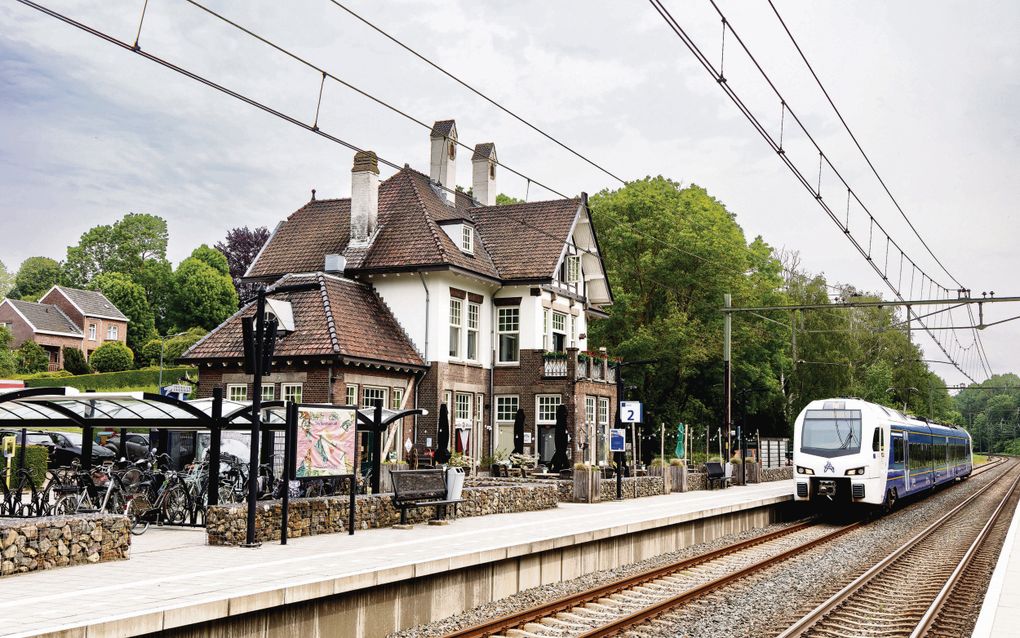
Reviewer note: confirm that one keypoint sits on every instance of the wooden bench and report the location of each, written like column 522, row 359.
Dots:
column 421, row 488
column 716, row 475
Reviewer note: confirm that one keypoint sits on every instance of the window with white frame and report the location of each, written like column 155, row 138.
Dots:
column 467, row 239
column 371, row 396
column 456, row 306
column 603, row 411
column 351, row 394
column 546, row 408
column 573, row 274
column 506, row 408
column 462, row 408
column 559, row 332
column 448, row 399
column 237, row 391
column 545, row 329
column 479, row 408
column 573, row 330
column 589, row 410
column 472, row 331
column 396, row 398
column 269, row 392
column 602, row 432
column 92, row 332
column 508, row 326
column 290, row 392
column 111, row 333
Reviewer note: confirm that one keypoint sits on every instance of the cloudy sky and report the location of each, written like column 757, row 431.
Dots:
column 90, row 131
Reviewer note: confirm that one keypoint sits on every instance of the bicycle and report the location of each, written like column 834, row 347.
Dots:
column 158, row 497
column 99, row 490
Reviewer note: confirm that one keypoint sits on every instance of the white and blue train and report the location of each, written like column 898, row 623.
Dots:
column 851, row 451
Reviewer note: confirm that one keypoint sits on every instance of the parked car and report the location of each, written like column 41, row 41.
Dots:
column 63, row 447
column 137, row 445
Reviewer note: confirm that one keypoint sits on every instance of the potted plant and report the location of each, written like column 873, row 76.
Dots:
column 587, row 483
column 678, row 475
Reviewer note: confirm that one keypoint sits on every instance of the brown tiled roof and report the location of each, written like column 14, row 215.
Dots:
column 341, row 318
column 302, row 241
column 44, row 317
column 525, row 241
column 483, row 151
column 92, row 303
column 442, row 128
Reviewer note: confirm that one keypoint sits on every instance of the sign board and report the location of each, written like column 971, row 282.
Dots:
column 630, row 412
column 527, row 437
column 8, row 446
column 326, row 441
column 617, row 440
column 179, row 388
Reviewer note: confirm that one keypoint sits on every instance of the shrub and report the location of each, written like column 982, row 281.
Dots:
column 31, row 358
column 112, row 356
column 111, row 381
column 37, row 460
column 676, row 462
column 74, row 361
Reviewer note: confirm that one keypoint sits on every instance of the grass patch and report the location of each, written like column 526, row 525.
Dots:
column 980, row 459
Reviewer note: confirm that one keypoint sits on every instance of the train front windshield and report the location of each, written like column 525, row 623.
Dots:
column 831, row 432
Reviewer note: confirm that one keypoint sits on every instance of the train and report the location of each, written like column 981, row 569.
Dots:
column 852, row 452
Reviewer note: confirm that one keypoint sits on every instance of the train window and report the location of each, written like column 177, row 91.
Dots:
column 897, row 449
column 876, row 441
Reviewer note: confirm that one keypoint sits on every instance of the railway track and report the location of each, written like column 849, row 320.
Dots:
column 923, row 587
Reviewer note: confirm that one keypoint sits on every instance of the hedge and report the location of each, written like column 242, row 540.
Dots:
column 113, row 381
column 36, row 458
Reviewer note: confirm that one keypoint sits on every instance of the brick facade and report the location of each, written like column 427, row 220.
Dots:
column 21, row 332
column 86, row 344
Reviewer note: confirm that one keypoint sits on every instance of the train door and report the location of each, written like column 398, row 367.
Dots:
column 898, row 472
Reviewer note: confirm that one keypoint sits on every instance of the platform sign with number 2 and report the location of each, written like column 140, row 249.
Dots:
column 630, row 412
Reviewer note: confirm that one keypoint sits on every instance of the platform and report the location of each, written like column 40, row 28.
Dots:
column 1000, row 612
column 174, row 580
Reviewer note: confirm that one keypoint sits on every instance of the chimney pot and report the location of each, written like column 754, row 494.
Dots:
column 443, row 164
column 483, row 173
column 364, row 197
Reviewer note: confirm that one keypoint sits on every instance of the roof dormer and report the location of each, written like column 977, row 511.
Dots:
column 462, row 233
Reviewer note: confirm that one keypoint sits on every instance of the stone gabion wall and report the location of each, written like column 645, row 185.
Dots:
column 642, row 485
column 56, row 541
column 776, row 473
column 696, row 481
column 328, row 515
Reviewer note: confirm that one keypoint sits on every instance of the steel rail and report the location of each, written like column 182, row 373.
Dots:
column 621, row 624
column 806, row 623
column 515, row 620
column 931, row 614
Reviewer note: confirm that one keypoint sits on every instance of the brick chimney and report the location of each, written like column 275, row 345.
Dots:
column 443, row 166
column 364, row 197
column 483, row 174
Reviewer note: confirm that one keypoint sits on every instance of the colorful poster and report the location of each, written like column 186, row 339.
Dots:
column 326, row 441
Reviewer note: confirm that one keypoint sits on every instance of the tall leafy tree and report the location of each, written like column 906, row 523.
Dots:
column 35, row 276
column 8, row 364
column 240, row 247
column 124, row 246
column 202, row 295
column 130, row 298
column 6, row 280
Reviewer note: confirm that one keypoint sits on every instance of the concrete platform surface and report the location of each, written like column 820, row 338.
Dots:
column 1000, row 612
column 174, row 579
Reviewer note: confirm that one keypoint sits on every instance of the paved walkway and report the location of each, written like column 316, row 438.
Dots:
column 1000, row 613
column 174, row 579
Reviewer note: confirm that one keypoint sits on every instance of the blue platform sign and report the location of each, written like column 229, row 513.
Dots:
column 617, row 440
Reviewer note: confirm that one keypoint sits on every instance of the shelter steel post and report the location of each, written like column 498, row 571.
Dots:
column 122, row 443
column 86, row 446
column 215, row 436
column 256, row 418
column 376, row 436
column 21, row 450
column 288, row 454
column 353, row 504
column 727, row 373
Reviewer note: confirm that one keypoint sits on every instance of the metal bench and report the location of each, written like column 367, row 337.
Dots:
column 421, row 488
column 716, row 475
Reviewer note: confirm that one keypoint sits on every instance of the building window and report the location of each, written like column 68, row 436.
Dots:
column 237, row 392
column 602, row 432
column 111, row 333
column 455, row 319
column 372, row 397
column 269, row 392
column 472, row 331
column 92, row 332
column 559, row 331
column 467, row 239
column 547, row 404
column 573, row 273
column 479, row 408
column 589, row 410
column 351, row 394
column 396, row 398
column 506, row 408
column 452, row 150
column 603, row 411
column 462, row 409
column 509, row 328
column 291, row 392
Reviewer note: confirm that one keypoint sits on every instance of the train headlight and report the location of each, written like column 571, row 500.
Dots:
column 804, row 470
column 857, row 471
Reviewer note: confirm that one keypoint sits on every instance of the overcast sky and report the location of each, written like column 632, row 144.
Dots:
column 89, row 131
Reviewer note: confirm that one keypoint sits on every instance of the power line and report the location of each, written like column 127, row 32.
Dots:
column 709, row 66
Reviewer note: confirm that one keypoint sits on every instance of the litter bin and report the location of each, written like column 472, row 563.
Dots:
column 454, row 483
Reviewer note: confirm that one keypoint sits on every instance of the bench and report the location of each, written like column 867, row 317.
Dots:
column 717, row 475
column 421, row 488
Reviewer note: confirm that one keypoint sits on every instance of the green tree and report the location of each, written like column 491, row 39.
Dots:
column 8, row 365
column 6, row 280
column 175, row 346
column 130, row 298
column 125, row 246
column 35, row 276
column 112, row 356
column 213, row 257
column 74, row 361
column 203, row 295
column 156, row 277
column 31, row 358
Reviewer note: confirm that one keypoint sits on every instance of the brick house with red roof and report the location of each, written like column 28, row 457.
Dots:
column 438, row 297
